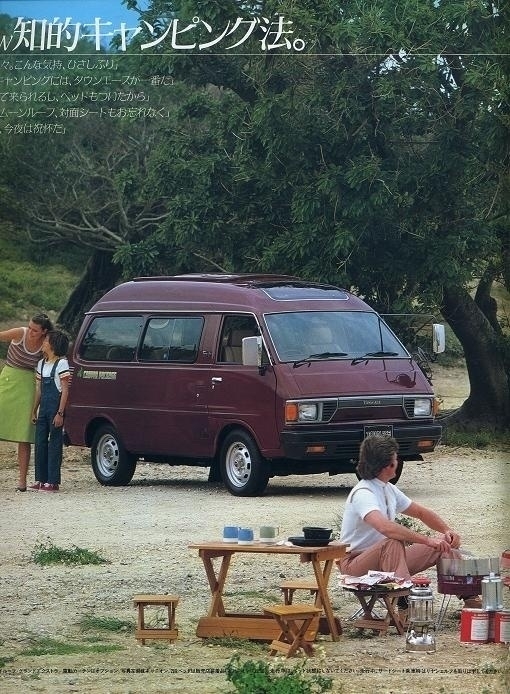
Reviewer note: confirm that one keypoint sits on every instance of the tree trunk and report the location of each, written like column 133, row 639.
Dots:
column 99, row 276
column 488, row 404
column 485, row 302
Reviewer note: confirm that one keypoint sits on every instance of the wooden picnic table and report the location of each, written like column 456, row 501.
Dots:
column 219, row 622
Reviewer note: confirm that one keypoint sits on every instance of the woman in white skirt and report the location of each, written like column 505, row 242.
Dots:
column 17, row 388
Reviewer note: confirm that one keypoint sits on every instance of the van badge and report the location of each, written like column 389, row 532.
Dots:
column 98, row 375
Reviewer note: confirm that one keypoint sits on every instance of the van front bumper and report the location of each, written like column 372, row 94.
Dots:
column 344, row 445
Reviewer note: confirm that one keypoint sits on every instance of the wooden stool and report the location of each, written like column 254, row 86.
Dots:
column 388, row 599
column 294, row 621
column 288, row 589
column 168, row 632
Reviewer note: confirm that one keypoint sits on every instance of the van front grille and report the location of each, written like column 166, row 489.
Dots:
column 328, row 410
column 409, row 407
column 367, row 407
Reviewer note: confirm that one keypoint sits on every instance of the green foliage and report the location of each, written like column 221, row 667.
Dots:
column 25, row 290
column 48, row 553
column 412, row 524
column 479, row 439
column 97, row 623
column 258, row 677
column 28, row 286
column 49, row 646
column 376, row 159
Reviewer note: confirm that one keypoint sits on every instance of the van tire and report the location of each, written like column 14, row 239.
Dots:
column 112, row 465
column 244, row 471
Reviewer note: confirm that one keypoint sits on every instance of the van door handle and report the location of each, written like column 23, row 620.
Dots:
column 216, row 379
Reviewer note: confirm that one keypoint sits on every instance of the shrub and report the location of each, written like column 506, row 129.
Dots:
column 259, row 677
column 46, row 554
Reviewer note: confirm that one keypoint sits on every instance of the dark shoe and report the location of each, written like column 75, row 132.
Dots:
column 47, row 487
column 21, row 489
column 473, row 602
column 35, row 487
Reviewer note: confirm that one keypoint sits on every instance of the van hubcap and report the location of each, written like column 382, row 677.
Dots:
column 107, row 455
column 238, row 464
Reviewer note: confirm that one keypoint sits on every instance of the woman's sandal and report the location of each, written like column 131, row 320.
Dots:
column 21, row 489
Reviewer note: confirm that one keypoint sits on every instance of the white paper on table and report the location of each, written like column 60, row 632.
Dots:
column 373, row 578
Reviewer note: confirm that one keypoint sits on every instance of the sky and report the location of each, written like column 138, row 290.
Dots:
column 79, row 10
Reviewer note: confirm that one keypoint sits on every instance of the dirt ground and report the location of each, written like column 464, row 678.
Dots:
column 144, row 531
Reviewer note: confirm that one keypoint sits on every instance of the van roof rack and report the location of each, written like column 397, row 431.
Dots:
column 234, row 278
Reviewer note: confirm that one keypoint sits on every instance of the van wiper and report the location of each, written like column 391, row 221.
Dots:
column 372, row 355
column 321, row 355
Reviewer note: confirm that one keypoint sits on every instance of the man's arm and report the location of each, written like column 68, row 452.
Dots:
column 396, row 531
column 433, row 521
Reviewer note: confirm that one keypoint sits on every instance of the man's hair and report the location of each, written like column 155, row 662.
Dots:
column 375, row 453
column 59, row 342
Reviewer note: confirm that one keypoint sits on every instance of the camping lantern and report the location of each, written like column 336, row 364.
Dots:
column 421, row 629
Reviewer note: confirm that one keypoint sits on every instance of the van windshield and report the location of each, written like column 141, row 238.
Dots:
column 354, row 335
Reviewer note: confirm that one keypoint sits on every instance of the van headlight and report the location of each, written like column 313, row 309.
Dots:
column 422, row 407
column 301, row 412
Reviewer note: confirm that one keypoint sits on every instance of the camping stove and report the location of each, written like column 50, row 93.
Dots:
column 462, row 577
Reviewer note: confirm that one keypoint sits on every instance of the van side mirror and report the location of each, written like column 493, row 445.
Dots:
column 252, row 351
column 438, row 338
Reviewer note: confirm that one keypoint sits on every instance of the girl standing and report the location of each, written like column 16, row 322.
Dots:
column 52, row 388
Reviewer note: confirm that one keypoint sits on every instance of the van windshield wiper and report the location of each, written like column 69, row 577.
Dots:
column 372, row 355
column 321, row 355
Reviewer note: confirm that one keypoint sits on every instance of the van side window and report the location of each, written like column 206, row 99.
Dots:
column 111, row 338
column 232, row 333
column 172, row 338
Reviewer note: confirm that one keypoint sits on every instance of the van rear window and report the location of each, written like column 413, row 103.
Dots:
column 296, row 293
column 172, row 338
column 111, row 338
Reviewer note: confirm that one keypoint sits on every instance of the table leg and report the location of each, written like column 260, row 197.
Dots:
column 216, row 583
column 370, row 620
column 322, row 598
column 392, row 617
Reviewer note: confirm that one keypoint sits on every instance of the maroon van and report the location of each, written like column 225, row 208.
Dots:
column 250, row 375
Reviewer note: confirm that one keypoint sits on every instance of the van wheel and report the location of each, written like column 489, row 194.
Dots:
column 111, row 463
column 398, row 471
column 243, row 469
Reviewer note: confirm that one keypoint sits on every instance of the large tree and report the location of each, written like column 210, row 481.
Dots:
column 380, row 160
column 377, row 157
